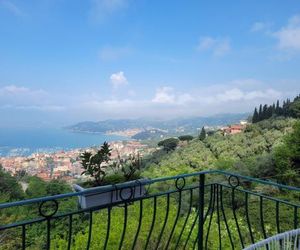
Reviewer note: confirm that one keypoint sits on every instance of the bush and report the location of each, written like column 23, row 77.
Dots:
column 185, row 137
column 169, row 144
column 93, row 164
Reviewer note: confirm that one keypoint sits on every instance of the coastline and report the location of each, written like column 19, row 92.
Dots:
column 128, row 133
column 24, row 142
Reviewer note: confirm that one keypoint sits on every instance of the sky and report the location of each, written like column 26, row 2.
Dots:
column 66, row 61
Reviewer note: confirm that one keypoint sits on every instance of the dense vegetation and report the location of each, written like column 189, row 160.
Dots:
column 288, row 109
column 253, row 152
column 149, row 134
column 11, row 190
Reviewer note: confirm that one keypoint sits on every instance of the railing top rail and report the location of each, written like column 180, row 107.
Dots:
column 144, row 182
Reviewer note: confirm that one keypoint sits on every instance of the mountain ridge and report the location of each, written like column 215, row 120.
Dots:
column 171, row 125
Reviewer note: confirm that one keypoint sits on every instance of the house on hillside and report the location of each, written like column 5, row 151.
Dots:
column 233, row 129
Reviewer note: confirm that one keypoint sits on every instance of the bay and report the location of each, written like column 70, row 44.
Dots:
column 25, row 141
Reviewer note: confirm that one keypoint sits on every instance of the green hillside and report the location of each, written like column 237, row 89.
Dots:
column 250, row 152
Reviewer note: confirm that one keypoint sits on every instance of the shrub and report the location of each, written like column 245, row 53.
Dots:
column 185, row 137
column 169, row 144
column 93, row 164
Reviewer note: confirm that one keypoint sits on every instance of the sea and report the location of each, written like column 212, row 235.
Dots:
column 25, row 141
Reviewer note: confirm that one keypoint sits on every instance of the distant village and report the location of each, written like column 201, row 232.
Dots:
column 66, row 165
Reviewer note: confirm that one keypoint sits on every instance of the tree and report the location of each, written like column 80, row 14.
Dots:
column 288, row 109
column 264, row 112
column 169, row 144
column 277, row 109
column 131, row 167
column 202, row 134
column 185, row 137
column 9, row 186
column 269, row 112
column 36, row 187
column 260, row 115
column 93, row 164
column 287, row 156
column 255, row 117
column 57, row 187
column 285, row 107
column 294, row 108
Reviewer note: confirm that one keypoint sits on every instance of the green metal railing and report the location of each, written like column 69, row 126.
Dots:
column 204, row 210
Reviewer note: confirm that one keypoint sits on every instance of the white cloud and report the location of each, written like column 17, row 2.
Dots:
column 21, row 97
column 237, row 94
column 164, row 95
column 168, row 103
column 13, row 89
column 260, row 26
column 102, row 9
column 242, row 92
column 218, row 46
column 11, row 7
column 240, row 95
column 118, row 79
column 19, row 90
column 289, row 35
column 167, row 95
column 185, row 98
column 230, row 95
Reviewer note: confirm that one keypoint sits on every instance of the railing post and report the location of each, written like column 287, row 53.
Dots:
column 201, row 211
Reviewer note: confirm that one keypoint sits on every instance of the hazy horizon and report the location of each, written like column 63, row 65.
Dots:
column 58, row 125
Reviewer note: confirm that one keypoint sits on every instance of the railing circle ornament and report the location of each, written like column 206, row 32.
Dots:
column 122, row 193
column 180, row 183
column 48, row 208
column 233, row 181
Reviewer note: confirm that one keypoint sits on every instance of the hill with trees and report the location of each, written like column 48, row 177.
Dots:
column 287, row 109
column 254, row 152
column 188, row 125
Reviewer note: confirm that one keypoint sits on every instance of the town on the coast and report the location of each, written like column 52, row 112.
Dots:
column 66, row 165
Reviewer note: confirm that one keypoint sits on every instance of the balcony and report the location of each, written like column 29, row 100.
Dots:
column 204, row 210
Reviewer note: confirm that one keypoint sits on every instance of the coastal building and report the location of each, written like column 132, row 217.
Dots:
column 232, row 129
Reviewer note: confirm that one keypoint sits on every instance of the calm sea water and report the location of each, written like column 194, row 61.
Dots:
column 25, row 141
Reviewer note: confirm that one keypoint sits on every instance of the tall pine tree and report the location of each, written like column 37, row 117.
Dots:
column 277, row 109
column 255, row 116
column 202, row 134
column 264, row 112
column 260, row 113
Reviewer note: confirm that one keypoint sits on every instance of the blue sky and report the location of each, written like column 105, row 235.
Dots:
column 63, row 61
